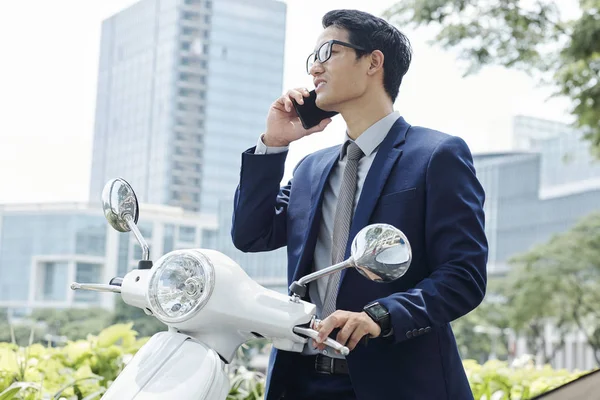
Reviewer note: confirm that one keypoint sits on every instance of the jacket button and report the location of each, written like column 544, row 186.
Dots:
column 409, row 334
column 428, row 329
column 421, row 331
column 415, row 332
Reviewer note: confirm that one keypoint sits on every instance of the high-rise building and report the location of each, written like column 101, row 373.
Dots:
column 183, row 87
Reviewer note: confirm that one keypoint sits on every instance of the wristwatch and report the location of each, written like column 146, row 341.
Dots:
column 381, row 316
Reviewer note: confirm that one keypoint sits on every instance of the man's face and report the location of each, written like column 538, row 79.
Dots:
column 342, row 77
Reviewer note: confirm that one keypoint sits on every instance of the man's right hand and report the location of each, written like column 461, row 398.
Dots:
column 283, row 123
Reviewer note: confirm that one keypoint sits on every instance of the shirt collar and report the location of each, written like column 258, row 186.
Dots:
column 370, row 139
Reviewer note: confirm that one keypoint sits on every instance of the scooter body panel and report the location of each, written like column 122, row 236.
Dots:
column 171, row 366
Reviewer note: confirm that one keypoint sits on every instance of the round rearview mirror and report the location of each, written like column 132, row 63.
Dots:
column 381, row 253
column 120, row 204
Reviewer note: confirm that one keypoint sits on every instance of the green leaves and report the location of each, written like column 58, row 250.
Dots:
column 119, row 333
column 83, row 369
column 18, row 387
column 246, row 385
column 529, row 36
column 72, row 372
column 499, row 381
column 558, row 281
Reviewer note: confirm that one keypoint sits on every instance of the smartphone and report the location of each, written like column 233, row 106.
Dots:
column 310, row 115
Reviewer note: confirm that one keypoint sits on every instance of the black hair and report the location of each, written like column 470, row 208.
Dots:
column 373, row 33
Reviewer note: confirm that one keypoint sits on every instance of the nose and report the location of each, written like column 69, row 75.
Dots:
column 316, row 69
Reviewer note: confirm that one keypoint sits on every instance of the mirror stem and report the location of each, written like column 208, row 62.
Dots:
column 326, row 271
column 138, row 236
column 298, row 288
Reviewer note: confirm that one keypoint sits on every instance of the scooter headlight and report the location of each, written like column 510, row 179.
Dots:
column 181, row 284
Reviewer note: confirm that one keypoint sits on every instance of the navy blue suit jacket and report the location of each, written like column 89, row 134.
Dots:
column 424, row 183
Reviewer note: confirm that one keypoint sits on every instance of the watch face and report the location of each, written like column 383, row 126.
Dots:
column 378, row 311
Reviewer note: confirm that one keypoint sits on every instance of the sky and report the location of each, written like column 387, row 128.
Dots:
column 48, row 77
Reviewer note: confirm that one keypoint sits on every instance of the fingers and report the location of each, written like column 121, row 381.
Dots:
column 321, row 127
column 356, row 337
column 335, row 320
column 347, row 331
column 295, row 94
column 354, row 326
column 304, row 92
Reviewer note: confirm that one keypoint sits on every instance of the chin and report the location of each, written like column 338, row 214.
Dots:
column 323, row 102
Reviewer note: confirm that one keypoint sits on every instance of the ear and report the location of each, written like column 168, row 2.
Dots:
column 376, row 65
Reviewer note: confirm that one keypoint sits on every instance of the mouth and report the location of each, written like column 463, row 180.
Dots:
column 319, row 83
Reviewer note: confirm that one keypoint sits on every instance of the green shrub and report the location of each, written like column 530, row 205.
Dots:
column 83, row 369
column 498, row 381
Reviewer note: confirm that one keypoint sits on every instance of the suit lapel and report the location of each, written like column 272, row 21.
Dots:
column 387, row 155
column 325, row 165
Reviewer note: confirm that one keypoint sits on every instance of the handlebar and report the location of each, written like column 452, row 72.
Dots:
column 329, row 342
column 96, row 287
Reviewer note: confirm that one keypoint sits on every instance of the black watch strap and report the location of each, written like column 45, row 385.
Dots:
column 381, row 316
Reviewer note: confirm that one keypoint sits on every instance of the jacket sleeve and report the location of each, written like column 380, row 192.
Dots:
column 260, row 204
column 455, row 242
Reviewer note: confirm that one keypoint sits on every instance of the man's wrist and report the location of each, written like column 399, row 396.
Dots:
column 269, row 141
column 381, row 316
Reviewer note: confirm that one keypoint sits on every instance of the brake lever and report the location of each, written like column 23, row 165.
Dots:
column 311, row 333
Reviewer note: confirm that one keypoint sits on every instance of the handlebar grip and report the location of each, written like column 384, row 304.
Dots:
column 116, row 281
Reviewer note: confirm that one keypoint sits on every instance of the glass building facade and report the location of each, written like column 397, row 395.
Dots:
column 567, row 161
column 520, row 213
column 183, row 87
column 268, row 268
column 45, row 247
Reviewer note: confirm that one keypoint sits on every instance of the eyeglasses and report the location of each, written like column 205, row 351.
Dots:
column 324, row 53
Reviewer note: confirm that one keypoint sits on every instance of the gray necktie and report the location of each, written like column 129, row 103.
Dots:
column 341, row 224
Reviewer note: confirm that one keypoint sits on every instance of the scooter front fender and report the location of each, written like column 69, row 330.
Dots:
column 171, row 366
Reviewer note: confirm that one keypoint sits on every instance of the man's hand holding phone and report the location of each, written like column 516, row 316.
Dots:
column 283, row 122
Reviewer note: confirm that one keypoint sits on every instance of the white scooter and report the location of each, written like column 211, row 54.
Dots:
column 212, row 307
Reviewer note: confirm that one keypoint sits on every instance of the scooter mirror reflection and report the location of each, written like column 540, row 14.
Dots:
column 119, row 201
column 381, row 253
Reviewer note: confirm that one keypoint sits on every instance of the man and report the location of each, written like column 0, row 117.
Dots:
column 419, row 180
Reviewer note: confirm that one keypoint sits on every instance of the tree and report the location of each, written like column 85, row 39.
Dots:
column 531, row 304
column 559, row 281
column 531, row 36
column 73, row 323
column 480, row 345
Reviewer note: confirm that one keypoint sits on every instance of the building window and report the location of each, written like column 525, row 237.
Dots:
column 49, row 280
column 190, row 31
column 191, row 15
column 123, row 266
column 187, row 234
column 87, row 272
column 55, row 283
column 168, row 239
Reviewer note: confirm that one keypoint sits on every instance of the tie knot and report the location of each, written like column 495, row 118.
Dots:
column 354, row 152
